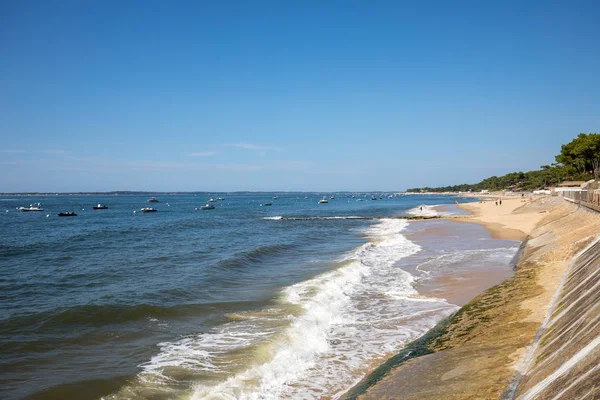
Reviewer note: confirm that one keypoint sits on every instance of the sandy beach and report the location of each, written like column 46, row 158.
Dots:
column 481, row 349
column 466, row 264
column 510, row 219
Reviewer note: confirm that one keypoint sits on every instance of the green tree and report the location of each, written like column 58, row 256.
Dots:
column 576, row 161
column 582, row 153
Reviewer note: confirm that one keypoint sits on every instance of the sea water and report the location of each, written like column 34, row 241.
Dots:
column 246, row 301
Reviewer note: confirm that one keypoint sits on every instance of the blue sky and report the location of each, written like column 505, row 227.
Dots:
column 290, row 95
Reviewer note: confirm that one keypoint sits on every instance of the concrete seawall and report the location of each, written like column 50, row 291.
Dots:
column 564, row 361
column 535, row 336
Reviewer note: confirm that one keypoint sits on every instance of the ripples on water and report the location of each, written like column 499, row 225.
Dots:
column 225, row 303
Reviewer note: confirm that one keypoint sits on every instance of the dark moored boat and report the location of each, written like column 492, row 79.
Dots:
column 67, row 214
column 100, row 207
column 148, row 209
column 152, row 200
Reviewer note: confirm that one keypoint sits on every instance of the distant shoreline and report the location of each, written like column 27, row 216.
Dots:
column 134, row 193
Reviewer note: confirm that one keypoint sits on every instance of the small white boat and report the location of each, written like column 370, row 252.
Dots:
column 211, row 200
column 100, row 207
column 32, row 207
column 390, row 197
column 220, row 198
column 275, row 197
column 373, row 198
column 323, row 200
column 148, row 209
column 332, row 197
column 207, row 207
column 152, row 200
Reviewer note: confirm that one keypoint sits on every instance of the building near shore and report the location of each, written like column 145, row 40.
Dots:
column 567, row 186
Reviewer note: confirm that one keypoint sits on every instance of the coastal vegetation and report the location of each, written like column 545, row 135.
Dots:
column 578, row 160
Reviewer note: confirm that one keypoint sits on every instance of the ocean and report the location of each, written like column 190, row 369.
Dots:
column 247, row 301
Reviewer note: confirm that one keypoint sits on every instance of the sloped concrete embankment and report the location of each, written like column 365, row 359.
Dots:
column 565, row 359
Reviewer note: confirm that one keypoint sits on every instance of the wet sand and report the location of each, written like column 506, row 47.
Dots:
column 471, row 272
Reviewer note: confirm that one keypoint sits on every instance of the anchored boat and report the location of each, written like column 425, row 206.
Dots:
column 32, row 207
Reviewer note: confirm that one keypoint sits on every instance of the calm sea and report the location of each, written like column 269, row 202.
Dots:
column 230, row 303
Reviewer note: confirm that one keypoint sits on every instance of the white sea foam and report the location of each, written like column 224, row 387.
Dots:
column 348, row 318
column 317, row 341
column 425, row 210
column 452, row 258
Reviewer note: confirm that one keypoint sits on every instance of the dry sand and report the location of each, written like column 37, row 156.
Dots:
column 511, row 220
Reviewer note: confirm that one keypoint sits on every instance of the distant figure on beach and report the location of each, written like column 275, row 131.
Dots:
column 456, row 202
column 421, row 208
column 496, row 202
column 500, row 201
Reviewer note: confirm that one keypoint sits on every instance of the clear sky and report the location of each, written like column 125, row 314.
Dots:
column 290, row 95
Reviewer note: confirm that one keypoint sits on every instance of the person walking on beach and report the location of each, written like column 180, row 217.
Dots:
column 496, row 202
column 500, row 201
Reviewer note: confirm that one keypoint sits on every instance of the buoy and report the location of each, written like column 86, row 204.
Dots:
column 196, row 209
column 134, row 211
column 47, row 215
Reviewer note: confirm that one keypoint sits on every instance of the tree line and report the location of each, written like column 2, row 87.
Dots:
column 578, row 160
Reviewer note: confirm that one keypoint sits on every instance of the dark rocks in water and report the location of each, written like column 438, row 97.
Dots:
column 422, row 217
